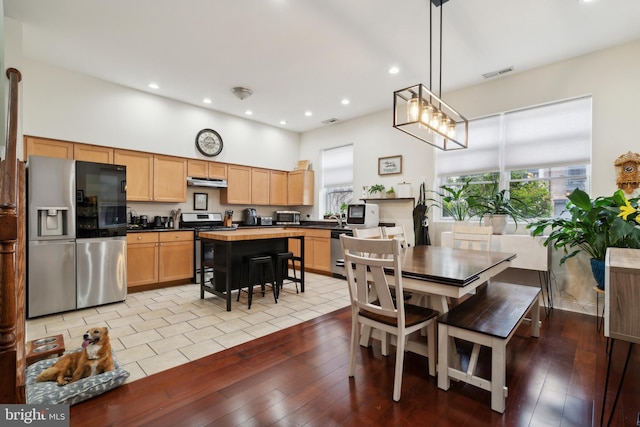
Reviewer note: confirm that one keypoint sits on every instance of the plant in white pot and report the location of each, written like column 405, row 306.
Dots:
column 496, row 207
column 377, row 191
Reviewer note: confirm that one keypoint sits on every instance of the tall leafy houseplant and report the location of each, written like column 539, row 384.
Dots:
column 498, row 204
column 592, row 226
column 453, row 201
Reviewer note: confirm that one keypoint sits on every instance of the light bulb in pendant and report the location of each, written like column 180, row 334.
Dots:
column 444, row 125
column 436, row 119
column 413, row 108
column 427, row 112
column 451, row 132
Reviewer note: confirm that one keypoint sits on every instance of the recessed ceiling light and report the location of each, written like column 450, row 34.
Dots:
column 394, row 70
column 154, row 86
column 308, row 113
column 345, row 101
column 206, row 101
column 248, row 112
column 283, row 122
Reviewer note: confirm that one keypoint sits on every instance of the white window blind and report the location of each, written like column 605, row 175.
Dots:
column 552, row 135
column 337, row 166
column 482, row 155
column 557, row 134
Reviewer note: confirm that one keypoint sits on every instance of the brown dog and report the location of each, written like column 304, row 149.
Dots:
column 94, row 358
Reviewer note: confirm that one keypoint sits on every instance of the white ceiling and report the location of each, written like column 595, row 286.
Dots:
column 307, row 55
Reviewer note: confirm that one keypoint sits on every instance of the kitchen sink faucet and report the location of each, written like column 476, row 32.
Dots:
column 340, row 223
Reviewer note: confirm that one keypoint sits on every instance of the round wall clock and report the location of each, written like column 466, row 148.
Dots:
column 209, row 142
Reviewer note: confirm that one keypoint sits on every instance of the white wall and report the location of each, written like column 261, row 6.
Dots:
column 610, row 76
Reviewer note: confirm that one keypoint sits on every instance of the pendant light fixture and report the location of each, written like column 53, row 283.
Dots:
column 423, row 114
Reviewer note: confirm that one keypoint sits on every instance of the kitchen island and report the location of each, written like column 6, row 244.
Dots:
column 230, row 246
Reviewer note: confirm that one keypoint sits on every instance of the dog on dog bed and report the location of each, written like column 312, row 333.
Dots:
column 94, row 358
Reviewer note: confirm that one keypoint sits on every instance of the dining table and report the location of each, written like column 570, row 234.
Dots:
column 432, row 274
column 229, row 247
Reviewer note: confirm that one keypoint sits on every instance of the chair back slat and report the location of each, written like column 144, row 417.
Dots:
column 473, row 238
column 365, row 262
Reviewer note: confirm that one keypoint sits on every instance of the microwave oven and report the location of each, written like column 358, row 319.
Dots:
column 363, row 215
column 287, row 217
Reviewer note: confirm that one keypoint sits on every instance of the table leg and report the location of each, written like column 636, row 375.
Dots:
column 443, row 356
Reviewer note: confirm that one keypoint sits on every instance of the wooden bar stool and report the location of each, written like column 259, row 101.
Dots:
column 256, row 265
column 281, row 260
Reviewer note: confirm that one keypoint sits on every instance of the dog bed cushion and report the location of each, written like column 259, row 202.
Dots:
column 50, row 392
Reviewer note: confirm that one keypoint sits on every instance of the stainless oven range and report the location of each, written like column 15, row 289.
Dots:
column 202, row 222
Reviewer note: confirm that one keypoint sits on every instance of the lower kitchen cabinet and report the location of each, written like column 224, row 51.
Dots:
column 156, row 257
column 317, row 249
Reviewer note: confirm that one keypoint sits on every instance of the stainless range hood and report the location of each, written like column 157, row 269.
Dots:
column 211, row 182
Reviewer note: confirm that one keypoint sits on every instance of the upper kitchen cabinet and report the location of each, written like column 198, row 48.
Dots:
column 139, row 174
column 238, row 189
column 259, row 186
column 169, row 179
column 205, row 169
column 35, row 146
column 278, row 188
column 93, row 153
column 300, row 188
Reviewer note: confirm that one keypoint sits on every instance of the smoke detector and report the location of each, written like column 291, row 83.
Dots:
column 241, row 92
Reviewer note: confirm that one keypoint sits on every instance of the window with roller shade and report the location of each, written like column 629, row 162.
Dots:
column 337, row 179
column 540, row 154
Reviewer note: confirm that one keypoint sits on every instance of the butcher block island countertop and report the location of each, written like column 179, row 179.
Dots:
column 230, row 248
column 250, row 234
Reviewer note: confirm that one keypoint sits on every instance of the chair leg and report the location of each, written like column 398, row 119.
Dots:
column 355, row 329
column 397, row 379
column 431, row 347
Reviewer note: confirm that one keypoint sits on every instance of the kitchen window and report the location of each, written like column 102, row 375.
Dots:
column 337, row 179
column 540, row 154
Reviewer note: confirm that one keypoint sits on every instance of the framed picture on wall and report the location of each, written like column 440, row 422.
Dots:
column 390, row 165
column 200, row 201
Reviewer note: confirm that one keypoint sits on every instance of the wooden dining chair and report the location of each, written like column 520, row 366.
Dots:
column 373, row 306
column 397, row 232
column 368, row 233
column 472, row 237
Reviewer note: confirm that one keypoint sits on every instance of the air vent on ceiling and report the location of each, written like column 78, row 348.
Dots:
column 498, row 73
column 330, row 121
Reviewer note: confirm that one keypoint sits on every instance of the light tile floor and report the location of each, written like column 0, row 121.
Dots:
column 156, row 330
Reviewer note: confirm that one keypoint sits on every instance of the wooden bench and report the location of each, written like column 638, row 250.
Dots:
column 489, row 318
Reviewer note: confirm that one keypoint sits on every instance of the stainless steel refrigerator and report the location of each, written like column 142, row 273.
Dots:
column 76, row 255
column 51, row 252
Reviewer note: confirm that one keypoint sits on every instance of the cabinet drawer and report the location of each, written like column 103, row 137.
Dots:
column 176, row 236
column 133, row 238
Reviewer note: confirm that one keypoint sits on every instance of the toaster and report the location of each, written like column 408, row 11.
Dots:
column 265, row 220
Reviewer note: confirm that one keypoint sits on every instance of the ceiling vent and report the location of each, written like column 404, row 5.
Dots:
column 330, row 121
column 498, row 73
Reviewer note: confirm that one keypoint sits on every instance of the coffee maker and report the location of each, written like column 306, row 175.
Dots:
column 250, row 216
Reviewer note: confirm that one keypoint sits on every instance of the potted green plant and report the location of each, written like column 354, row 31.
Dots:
column 452, row 201
column 391, row 193
column 495, row 207
column 592, row 226
column 377, row 191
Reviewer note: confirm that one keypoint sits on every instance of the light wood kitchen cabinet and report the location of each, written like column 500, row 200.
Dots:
column 93, row 153
column 259, row 186
column 300, row 188
column 169, row 179
column 156, row 257
column 139, row 174
column 238, row 189
column 205, row 169
column 35, row 146
column 278, row 188
column 317, row 249
column 142, row 259
column 175, row 255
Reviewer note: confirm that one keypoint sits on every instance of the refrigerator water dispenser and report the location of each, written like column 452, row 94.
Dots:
column 52, row 221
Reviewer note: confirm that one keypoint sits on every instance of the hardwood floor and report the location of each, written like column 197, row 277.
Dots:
column 298, row 377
